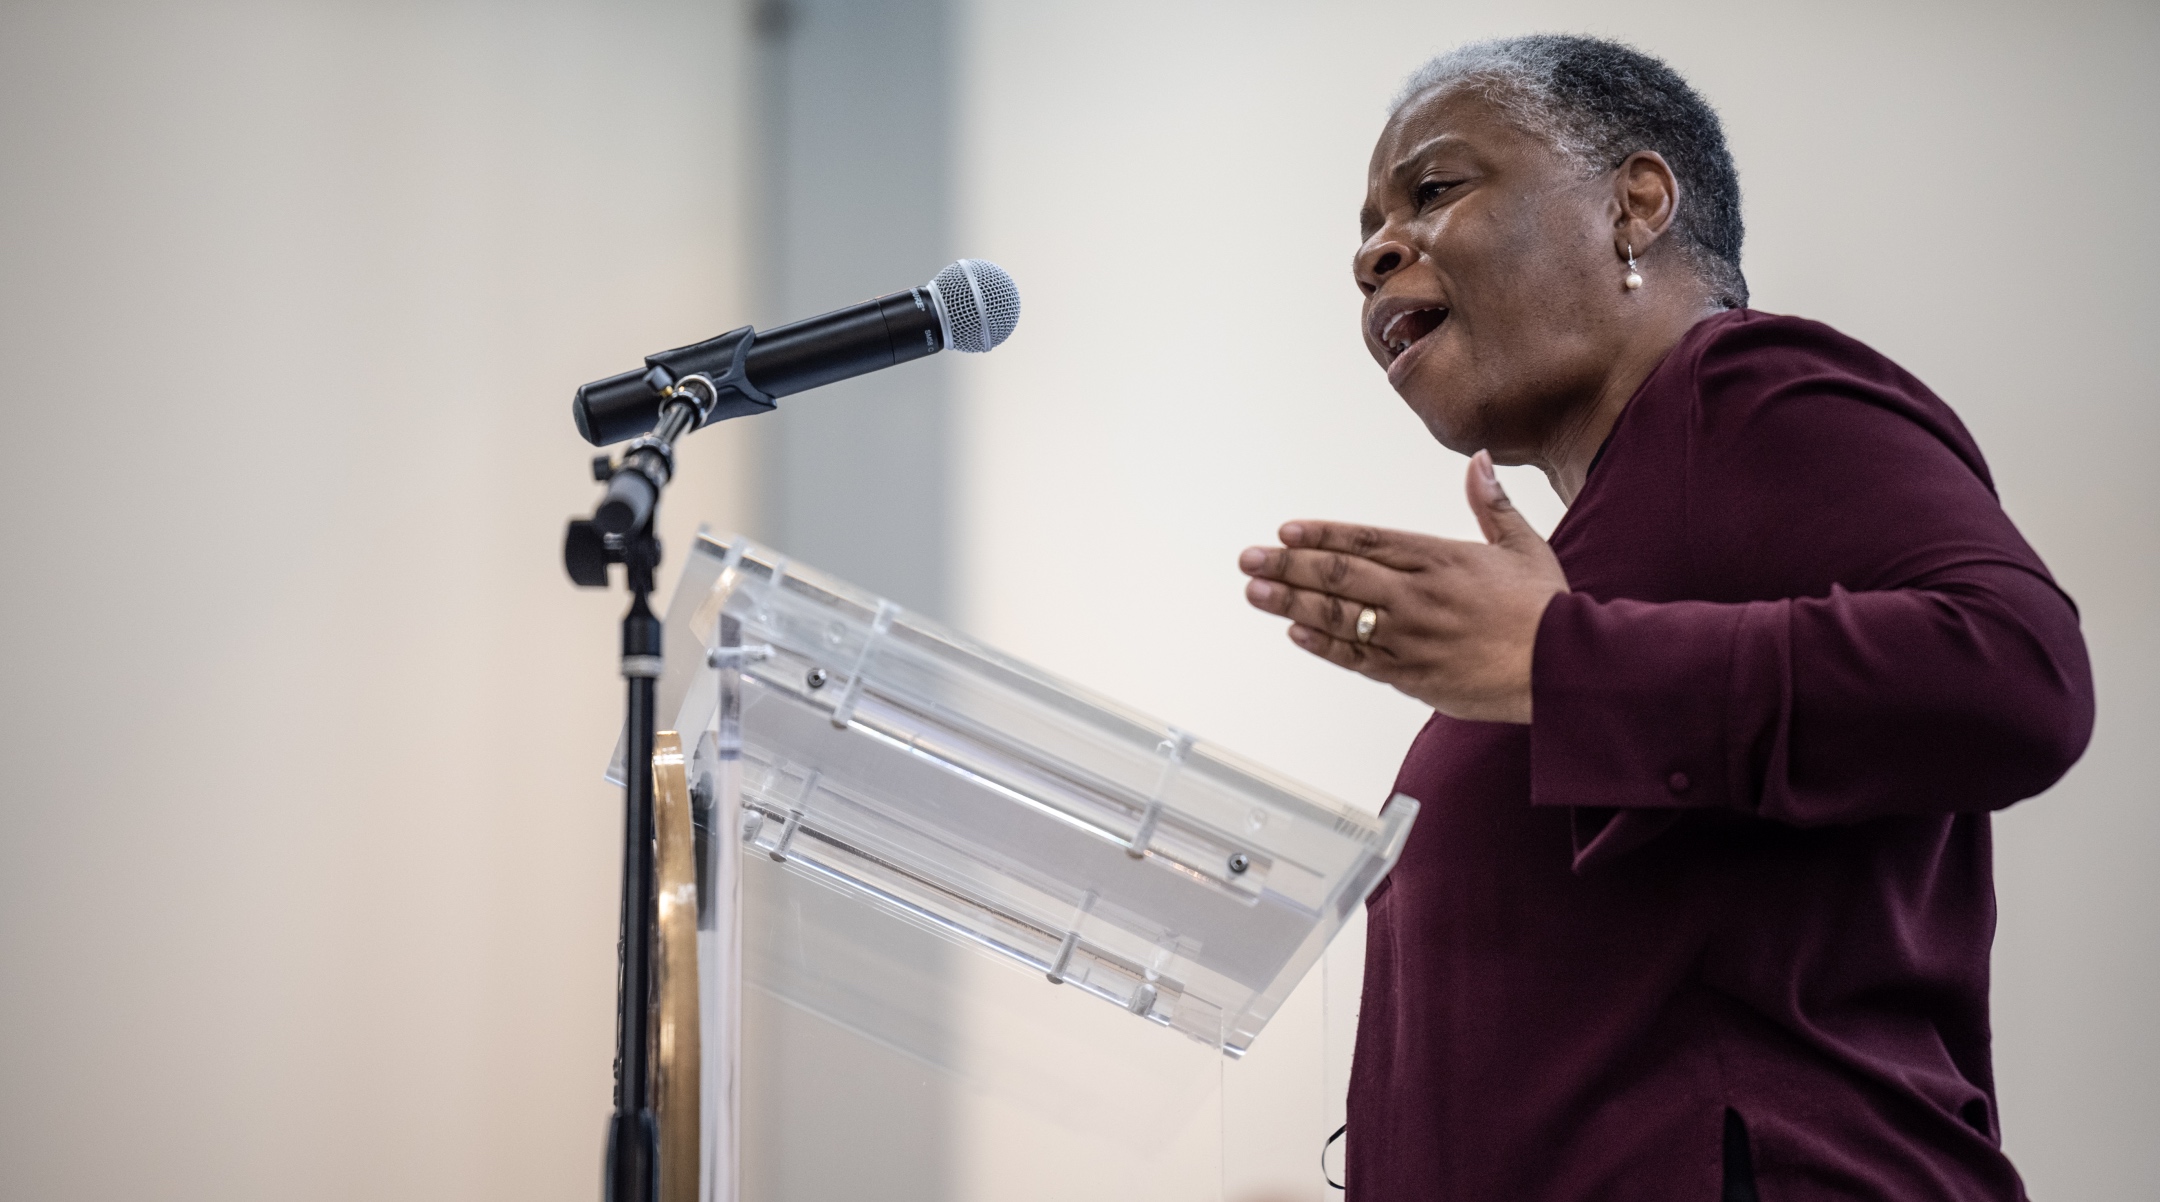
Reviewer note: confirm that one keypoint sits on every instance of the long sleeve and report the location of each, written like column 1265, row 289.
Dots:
column 1860, row 632
column 1966, row 691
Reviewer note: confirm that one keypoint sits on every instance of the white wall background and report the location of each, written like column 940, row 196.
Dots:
column 307, row 875
column 1175, row 183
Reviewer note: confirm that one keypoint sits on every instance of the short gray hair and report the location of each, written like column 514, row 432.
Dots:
column 1597, row 102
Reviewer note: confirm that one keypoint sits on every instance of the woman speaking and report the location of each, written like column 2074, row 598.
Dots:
column 1700, row 902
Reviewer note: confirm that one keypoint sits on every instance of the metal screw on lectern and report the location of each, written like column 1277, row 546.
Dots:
column 816, row 678
column 1239, row 863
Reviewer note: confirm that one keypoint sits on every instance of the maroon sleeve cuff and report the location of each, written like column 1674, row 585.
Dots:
column 1662, row 707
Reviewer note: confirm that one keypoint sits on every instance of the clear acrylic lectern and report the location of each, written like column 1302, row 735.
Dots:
column 891, row 769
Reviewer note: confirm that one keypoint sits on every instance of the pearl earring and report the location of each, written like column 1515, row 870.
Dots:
column 1634, row 277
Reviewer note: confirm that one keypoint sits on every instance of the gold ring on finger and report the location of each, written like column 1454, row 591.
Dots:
column 1368, row 620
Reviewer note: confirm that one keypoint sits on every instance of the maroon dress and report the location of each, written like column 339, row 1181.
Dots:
column 1737, row 870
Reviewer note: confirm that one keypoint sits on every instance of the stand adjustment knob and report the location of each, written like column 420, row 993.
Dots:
column 585, row 555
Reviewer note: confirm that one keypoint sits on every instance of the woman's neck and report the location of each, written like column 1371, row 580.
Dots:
column 1657, row 328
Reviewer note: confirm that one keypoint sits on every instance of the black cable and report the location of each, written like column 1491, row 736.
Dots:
column 1323, row 1156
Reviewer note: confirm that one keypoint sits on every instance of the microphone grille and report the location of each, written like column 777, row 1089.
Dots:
column 980, row 303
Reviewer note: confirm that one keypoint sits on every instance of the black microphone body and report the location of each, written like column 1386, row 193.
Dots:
column 847, row 342
column 781, row 361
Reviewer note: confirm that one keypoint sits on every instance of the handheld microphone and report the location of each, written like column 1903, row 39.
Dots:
column 971, row 306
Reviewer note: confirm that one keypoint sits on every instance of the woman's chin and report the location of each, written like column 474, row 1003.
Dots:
column 1454, row 420
column 1453, row 428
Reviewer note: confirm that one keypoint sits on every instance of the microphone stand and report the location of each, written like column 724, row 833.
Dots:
column 621, row 531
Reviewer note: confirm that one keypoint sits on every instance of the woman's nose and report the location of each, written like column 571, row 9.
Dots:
column 1376, row 260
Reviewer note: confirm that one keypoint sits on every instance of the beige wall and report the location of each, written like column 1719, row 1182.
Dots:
column 307, row 876
column 1174, row 184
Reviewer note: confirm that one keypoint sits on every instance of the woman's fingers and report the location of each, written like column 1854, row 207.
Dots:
column 1324, row 612
column 1343, row 653
column 1336, row 572
column 1390, row 548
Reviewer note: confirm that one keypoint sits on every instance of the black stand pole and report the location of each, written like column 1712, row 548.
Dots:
column 621, row 531
column 633, row 1137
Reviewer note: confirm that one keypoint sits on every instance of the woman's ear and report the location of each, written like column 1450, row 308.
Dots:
column 1648, row 195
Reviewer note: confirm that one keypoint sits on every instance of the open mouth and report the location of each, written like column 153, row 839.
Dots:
column 1405, row 329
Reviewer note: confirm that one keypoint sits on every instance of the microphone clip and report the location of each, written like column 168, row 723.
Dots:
column 627, row 405
column 721, row 365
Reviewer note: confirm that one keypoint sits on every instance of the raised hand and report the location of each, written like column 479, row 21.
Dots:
column 1451, row 623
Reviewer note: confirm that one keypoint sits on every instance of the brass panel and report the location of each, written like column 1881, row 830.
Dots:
column 675, row 974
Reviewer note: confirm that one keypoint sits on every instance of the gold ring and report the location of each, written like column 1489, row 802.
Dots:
column 1368, row 620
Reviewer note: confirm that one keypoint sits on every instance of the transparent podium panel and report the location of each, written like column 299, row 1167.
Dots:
column 880, row 1060
column 910, row 838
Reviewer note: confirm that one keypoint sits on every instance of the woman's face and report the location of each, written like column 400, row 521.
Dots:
column 1492, row 284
